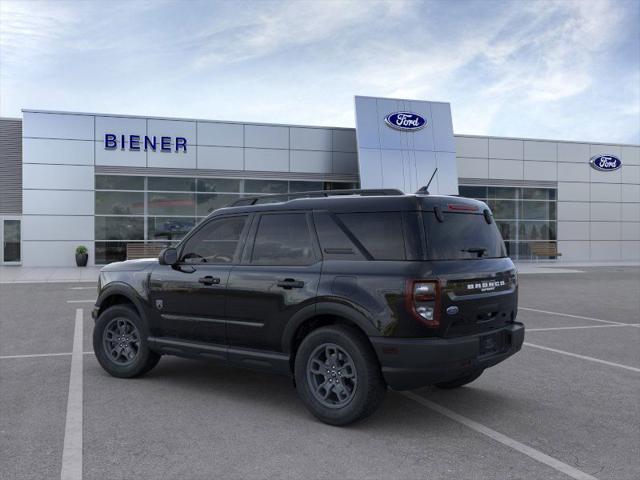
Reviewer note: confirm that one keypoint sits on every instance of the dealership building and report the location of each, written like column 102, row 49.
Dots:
column 123, row 184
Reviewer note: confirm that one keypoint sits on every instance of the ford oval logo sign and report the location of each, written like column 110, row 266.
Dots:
column 605, row 163
column 405, row 121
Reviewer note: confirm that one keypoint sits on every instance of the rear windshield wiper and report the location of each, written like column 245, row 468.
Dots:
column 479, row 250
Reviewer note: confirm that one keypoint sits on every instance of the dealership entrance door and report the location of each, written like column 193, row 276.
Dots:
column 10, row 233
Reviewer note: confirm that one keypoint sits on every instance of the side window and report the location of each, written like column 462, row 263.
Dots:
column 283, row 239
column 216, row 242
column 380, row 233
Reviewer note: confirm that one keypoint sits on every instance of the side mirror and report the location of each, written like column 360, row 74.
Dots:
column 168, row 256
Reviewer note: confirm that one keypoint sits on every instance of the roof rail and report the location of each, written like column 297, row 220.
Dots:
column 253, row 200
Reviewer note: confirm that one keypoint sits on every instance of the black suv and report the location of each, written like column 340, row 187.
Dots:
column 347, row 292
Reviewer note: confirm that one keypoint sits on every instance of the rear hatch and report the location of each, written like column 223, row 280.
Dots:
column 478, row 282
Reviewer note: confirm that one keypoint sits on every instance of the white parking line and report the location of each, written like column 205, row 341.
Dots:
column 503, row 439
column 583, row 357
column 83, row 288
column 35, row 355
column 572, row 316
column 81, row 301
column 72, row 449
column 581, row 327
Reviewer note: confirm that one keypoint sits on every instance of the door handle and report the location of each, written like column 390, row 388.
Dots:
column 289, row 283
column 209, row 280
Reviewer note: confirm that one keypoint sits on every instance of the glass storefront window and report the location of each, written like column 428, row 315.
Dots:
column 295, row 187
column 266, row 186
column 119, row 203
column 503, row 209
column 502, row 192
column 168, row 228
column 170, row 204
column 119, row 228
column 207, row 203
column 177, row 184
column 119, row 182
column 213, row 185
column 478, row 193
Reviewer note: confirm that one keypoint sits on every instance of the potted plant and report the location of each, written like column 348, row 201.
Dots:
column 82, row 256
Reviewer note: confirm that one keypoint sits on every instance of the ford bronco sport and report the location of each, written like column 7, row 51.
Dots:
column 347, row 292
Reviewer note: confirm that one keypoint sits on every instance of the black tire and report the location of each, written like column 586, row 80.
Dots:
column 142, row 360
column 459, row 382
column 367, row 393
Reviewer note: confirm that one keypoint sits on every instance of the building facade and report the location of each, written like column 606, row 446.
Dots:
column 109, row 182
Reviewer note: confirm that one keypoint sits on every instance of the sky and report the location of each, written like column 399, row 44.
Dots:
column 540, row 69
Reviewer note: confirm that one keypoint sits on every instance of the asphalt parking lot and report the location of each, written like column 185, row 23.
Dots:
column 566, row 406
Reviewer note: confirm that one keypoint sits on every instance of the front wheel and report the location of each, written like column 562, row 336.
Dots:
column 120, row 343
column 337, row 375
column 460, row 381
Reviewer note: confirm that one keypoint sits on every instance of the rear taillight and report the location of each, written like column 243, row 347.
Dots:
column 423, row 301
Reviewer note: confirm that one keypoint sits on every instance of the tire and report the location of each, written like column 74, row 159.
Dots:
column 359, row 389
column 134, row 358
column 459, row 382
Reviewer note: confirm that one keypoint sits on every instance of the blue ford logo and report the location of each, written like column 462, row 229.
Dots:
column 405, row 121
column 452, row 310
column 606, row 163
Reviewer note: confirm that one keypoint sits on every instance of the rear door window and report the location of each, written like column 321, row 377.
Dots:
column 462, row 236
column 283, row 239
column 380, row 233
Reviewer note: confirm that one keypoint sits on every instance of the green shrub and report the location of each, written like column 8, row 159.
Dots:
column 81, row 250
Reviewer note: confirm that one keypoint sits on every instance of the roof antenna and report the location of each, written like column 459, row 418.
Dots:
column 425, row 190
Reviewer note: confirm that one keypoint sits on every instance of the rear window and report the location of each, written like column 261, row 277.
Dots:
column 379, row 233
column 462, row 236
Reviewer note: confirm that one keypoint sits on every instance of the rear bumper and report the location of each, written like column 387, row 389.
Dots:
column 409, row 363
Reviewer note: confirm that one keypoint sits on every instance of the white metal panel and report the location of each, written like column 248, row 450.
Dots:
column 447, row 173
column 57, row 202
column 537, row 150
column 442, row 127
column 54, row 125
column 172, row 159
column 120, row 126
column 473, row 167
column 606, row 212
column 265, row 159
column 630, row 155
column 173, row 128
column 368, row 126
column 392, row 171
column 506, row 169
column 220, row 158
column 370, row 167
column 631, row 231
column 605, row 230
column 573, row 251
column 53, row 253
column 605, row 177
column 574, row 172
column 346, row 163
column 605, row 150
column 58, row 227
column 426, row 163
column 71, row 152
column 630, row 174
column 424, row 139
column 630, row 250
column 540, row 171
column 472, row 147
column 506, row 149
column 630, row 193
column 311, row 161
column 390, row 138
column 262, row 136
column 573, row 211
column 603, row 192
column 605, row 251
column 344, row 141
column 311, row 138
column 57, row 177
column 573, row 231
column 220, row 134
column 119, row 157
column 631, row 212
column 573, row 191
column 573, row 152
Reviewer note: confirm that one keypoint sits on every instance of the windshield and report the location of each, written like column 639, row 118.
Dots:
column 462, row 236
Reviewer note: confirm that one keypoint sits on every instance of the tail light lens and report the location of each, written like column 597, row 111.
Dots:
column 423, row 301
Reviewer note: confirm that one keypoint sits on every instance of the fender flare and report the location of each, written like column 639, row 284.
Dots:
column 359, row 319
column 125, row 290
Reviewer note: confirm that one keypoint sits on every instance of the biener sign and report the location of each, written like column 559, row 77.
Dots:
column 139, row 142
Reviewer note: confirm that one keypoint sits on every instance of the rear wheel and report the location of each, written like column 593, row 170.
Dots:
column 459, row 382
column 120, row 343
column 337, row 375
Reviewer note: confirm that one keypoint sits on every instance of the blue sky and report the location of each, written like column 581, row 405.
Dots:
column 544, row 69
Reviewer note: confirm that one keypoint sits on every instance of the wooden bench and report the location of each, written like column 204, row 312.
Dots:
column 545, row 249
column 143, row 250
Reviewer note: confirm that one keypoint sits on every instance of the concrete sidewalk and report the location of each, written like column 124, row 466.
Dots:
column 17, row 274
